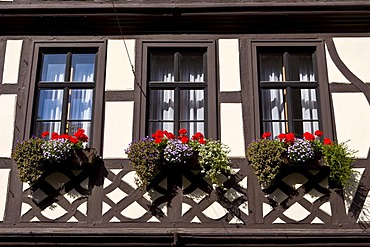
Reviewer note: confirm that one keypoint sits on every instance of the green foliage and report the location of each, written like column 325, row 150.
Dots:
column 145, row 156
column 339, row 158
column 28, row 156
column 266, row 157
column 213, row 160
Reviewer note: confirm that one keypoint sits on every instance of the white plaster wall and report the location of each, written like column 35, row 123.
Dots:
column 355, row 53
column 119, row 75
column 334, row 75
column 7, row 120
column 232, row 133
column 352, row 118
column 12, row 61
column 118, row 128
column 228, row 50
column 4, row 179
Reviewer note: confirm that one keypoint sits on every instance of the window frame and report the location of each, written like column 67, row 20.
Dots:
column 325, row 114
column 97, row 86
column 142, row 88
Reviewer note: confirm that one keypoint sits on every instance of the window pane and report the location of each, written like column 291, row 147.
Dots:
column 53, row 67
column 273, row 104
column 301, row 67
column 154, row 126
column 83, row 67
column 191, row 67
column 192, row 105
column 193, row 127
column 50, row 105
column 271, row 67
column 309, row 104
column 162, row 67
column 46, row 126
column 161, row 105
column 306, row 126
column 81, row 101
column 275, row 128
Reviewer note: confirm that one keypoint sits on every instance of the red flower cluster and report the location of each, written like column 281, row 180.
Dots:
column 289, row 138
column 77, row 137
column 161, row 135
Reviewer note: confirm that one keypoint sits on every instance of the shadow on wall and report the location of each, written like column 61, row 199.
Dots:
column 76, row 182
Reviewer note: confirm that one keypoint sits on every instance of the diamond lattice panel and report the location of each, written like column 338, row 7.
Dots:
column 183, row 196
column 59, row 196
column 298, row 195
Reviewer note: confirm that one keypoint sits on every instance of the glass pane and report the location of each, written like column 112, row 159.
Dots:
column 50, row 105
column 191, row 67
column 162, row 67
column 73, row 127
column 154, row 126
column 46, row 126
column 193, row 127
column 305, row 126
column 83, row 67
column 53, row 67
column 80, row 104
column 161, row 105
column 271, row 67
column 309, row 104
column 192, row 105
column 273, row 104
column 301, row 67
column 275, row 128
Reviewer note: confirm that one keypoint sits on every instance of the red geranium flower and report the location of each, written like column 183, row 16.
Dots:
column 157, row 140
column 183, row 131
column 318, row 133
column 266, row 135
column 290, row 137
column 308, row 136
column 202, row 140
column 44, row 134
column 282, row 136
column 184, row 139
column 170, row 135
column 158, row 134
column 327, row 141
column 74, row 140
column 197, row 136
column 55, row 135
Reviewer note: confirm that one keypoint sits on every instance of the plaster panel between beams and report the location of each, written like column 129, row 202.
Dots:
column 7, row 120
column 355, row 54
column 232, row 133
column 119, row 75
column 228, row 50
column 12, row 60
column 352, row 117
column 118, row 128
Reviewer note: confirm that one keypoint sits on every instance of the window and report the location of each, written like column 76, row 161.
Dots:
column 180, row 89
column 288, row 89
column 67, row 89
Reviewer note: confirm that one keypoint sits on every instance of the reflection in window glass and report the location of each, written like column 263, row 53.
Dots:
column 83, row 67
column 54, row 67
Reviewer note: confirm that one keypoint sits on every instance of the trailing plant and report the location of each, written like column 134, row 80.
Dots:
column 30, row 160
column 339, row 158
column 150, row 154
column 36, row 155
column 267, row 156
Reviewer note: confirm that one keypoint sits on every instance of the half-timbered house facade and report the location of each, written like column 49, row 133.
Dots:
column 122, row 69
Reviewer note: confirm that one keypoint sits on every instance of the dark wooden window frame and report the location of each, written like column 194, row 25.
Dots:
column 97, row 86
column 142, row 90
column 323, row 93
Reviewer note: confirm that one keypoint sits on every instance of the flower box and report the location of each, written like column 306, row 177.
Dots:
column 268, row 157
column 164, row 152
column 37, row 156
